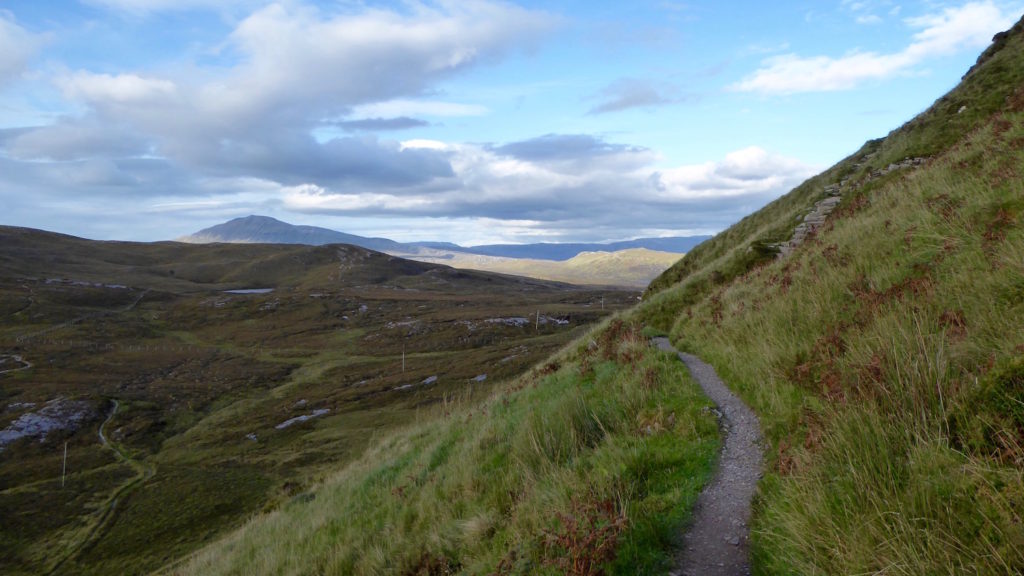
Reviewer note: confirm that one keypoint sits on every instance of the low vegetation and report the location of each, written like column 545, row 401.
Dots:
column 587, row 465
column 884, row 356
column 357, row 343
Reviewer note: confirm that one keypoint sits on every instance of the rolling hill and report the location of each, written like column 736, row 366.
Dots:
column 263, row 229
column 196, row 385
column 629, row 264
column 871, row 317
column 632, row 267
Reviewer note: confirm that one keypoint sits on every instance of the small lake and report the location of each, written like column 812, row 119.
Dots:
column 250, row 291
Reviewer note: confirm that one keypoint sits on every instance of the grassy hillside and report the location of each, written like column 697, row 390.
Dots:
column 634, row 268
column 192, row 385
column 886, row 355
column 589, row 463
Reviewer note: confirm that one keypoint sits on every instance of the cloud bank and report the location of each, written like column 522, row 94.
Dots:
column 17, row 47
column 290, row 122
column 970, row 26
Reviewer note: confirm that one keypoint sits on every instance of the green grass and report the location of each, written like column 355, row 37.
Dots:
column 592, row 462
column 884, row 356
column 198, row 371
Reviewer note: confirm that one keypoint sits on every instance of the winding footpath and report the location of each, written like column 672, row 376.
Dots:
column 717, row 541
column 105, row 513
column 25, row 364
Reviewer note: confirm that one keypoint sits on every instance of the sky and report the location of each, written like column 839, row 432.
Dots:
column 469, row 121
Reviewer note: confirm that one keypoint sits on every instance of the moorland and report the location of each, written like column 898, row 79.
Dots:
column 196, row 385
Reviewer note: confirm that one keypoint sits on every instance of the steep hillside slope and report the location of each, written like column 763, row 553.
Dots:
column 885, row 354
column 587, row 465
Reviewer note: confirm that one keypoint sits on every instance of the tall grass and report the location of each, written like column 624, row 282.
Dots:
column 886, row 359
column 589, row 464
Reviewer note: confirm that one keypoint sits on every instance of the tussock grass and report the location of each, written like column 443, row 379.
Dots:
column 589, row 463
column 886, row 356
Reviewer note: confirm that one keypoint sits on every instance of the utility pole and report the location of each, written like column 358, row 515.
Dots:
column 403, row 358
column 64, row 471
column 536, row 325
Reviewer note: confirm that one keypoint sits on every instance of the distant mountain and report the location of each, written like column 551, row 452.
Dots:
column 60, row 260
column 266, row 230
column 551, row 251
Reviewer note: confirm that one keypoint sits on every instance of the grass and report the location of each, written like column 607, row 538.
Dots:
column 884, row 356
column 590, row 463
column 203, row 378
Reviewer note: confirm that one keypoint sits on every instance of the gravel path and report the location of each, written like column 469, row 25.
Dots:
column 717, row 541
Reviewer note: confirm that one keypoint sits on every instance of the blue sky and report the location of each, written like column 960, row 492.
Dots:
column 473, row 121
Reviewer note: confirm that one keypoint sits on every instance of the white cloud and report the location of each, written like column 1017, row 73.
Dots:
column 17, row 46
column 745, row 172
column 223, row 142
column 869, row 19
column 572, row 193
column 297, row 67
column 66, row 140
column 334, row 62
column 311, row 198
column 970, row 26
column 405, row 107
column 626, row 93
column 102, row 89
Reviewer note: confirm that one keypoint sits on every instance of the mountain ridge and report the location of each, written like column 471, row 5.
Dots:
column 265, row 229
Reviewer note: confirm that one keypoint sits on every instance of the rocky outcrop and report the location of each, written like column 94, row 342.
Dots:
column 833, row 196
column 58, row 414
